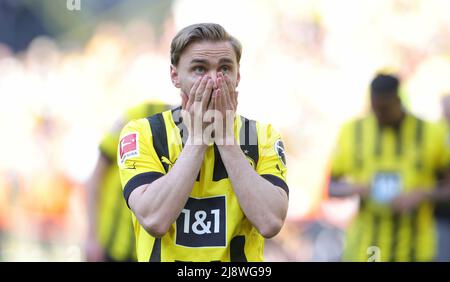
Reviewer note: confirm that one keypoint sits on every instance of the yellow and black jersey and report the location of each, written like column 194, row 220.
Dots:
column 391, row 160
column 211, row 226
column 115, row 228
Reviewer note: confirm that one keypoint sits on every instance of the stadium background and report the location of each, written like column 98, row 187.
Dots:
column 66, row 75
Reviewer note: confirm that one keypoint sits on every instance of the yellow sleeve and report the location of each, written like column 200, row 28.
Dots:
column 108, row 144
column 272, row 160
column 342, row 153
column 137, row 159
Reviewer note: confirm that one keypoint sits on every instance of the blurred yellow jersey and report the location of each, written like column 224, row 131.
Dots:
column 391, row 160
column 115, row 229
column 211, row 226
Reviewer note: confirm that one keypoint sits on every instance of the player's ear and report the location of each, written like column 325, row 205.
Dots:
column 174, row 76
column 238, row 78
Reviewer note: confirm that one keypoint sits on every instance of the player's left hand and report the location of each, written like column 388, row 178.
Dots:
column 409, row 201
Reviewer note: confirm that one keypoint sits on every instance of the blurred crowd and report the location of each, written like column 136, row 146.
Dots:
column 306, row 68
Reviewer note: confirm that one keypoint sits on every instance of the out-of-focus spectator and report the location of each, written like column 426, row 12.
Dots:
column 442, row 211
column 390, row 159
column 4, row 209
column 47, row 190
column 19, row 25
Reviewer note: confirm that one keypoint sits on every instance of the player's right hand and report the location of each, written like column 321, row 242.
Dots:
column 194, row 110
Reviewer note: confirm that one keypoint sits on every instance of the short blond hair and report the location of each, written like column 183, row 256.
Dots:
column 201, row 32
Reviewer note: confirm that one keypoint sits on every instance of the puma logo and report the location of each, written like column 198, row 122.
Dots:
column 166, row 161
column 131, row 166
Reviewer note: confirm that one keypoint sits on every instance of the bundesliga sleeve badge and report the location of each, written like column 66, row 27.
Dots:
column 128, row 147
column 279, row 149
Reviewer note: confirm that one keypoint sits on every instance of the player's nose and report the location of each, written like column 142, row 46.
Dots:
column 213, row 75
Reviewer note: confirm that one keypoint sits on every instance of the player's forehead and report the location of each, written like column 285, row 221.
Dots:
column 209, row 51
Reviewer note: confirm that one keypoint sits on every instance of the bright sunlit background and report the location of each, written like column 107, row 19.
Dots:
column 65, row 76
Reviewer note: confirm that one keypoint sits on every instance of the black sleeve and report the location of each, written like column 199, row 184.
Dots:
column 138, row 180
column 275, row 180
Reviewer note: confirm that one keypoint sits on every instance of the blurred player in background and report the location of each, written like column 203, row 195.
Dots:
column 199, row 194
column 442, row 211
column 110, row 230
column 390, row 158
